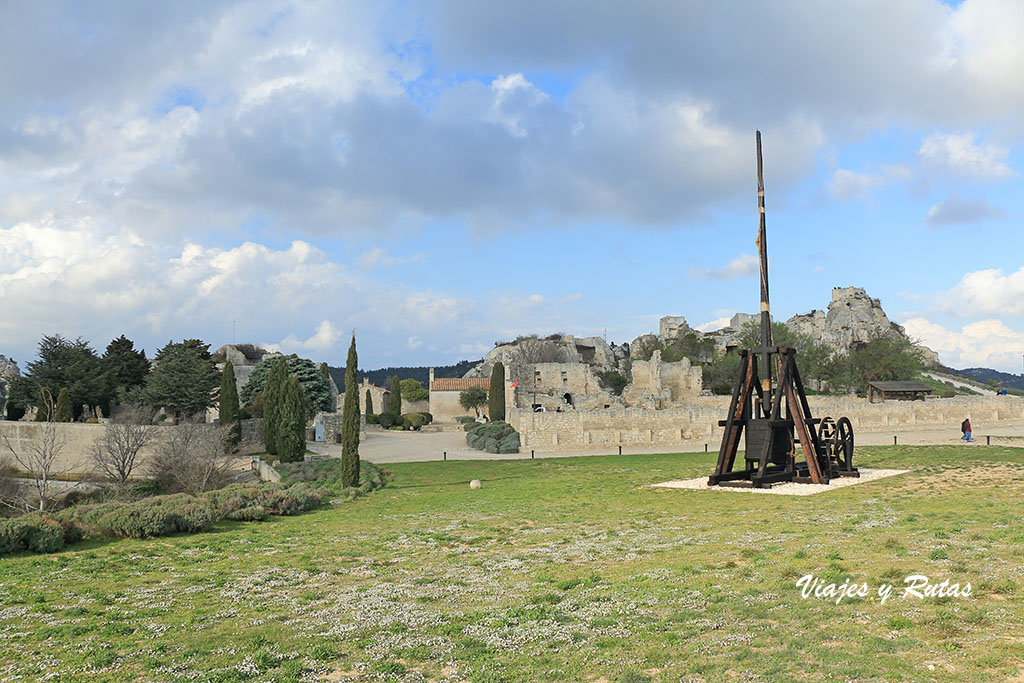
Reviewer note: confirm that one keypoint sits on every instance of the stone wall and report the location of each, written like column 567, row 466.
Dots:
column 698, row 422
column 78, row 440
column 444, row 406
column 657, row 383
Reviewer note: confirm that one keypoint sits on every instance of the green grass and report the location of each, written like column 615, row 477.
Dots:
column 557, row 569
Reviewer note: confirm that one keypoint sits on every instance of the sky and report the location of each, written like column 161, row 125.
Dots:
column 437, row 176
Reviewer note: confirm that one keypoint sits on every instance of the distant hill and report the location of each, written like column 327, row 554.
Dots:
column 1004, row 379
column 421, row 374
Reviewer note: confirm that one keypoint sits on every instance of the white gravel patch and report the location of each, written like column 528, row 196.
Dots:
column 788, row 488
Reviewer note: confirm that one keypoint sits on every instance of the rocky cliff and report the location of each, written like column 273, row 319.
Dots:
column 593, row 351
column 852, row 318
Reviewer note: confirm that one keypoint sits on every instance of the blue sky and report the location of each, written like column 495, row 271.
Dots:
column 438, row 176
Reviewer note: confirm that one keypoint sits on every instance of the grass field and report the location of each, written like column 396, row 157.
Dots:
column 568, row 569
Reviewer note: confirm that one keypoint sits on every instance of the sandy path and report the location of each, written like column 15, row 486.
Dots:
column 384, row 447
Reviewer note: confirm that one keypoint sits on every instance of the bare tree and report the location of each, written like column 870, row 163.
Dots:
column 39, row 458
column 12, row 497
column 114, row 456
column 191, row 459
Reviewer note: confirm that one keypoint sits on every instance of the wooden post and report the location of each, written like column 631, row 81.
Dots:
column 762, row 250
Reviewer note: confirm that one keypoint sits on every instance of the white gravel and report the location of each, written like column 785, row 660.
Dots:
column 788, row 488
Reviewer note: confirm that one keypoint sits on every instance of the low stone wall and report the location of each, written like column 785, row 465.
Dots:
column 78, row 440
column 572, row 430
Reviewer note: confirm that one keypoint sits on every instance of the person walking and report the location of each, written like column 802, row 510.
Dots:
column 965, row 427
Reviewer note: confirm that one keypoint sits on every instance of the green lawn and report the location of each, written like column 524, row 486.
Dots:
column 568, row 569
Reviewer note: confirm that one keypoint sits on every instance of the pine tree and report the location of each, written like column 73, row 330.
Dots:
column 43, row 402
column 291, row 424
column 395, row 402
column 496, row 395
column 184, row 380
column 369, row 403
column 229, row 407
column 272, row 394
column 62, row 413
column 350, row 421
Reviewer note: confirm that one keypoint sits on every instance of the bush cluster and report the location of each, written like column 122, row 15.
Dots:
column 465, row 419
column 409, row 421
column 494, row 437
column 156, row 516
column 327, row 475
column 35, row 533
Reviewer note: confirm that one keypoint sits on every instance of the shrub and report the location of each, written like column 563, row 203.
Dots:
column 414, row 420
column 465, row 419
column 253, row 513
column 45, row 537
column 137, row 521
column 13, row 536
column 510, row 444
column 70, row 530
column 613, row 381
column 493, row 437
column 372, row 419
column 396, row 428
column 470, row 426
column 386, row 419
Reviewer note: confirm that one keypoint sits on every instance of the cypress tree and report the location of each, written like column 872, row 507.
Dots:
column 62, row 413
column 272, row 403
column 325, row 371
column 395, row 404
column 350, row 422
column 43, row 405
column 496, row 395
column 291, row 423
column 229, row 407
column 369, row 403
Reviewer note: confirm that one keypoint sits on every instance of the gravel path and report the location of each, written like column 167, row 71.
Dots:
column 383, row 447
column 787, row 489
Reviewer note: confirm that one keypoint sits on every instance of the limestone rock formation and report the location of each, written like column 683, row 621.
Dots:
column 672, row 329
column 527, row 351
column 643, row 346
column 853, row 318
column 8, row 369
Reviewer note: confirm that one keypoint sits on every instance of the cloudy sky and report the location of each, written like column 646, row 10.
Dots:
column 440, row 175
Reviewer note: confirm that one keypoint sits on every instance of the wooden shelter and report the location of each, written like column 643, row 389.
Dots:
column 898, row 391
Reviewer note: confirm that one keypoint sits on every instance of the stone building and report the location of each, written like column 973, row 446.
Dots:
column 380, row 397
column 658, row 384
column 557, row 387
column 444, row 396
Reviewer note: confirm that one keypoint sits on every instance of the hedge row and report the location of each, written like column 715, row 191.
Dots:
column 409, row 421
column 44, row 532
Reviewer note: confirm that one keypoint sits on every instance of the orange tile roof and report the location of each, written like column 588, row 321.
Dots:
column 459, row 383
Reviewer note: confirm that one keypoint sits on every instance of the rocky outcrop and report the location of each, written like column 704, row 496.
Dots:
column 853, row 318
column 672, row 329
column 643, row 346
column 525, row 352
column 593, row 351
column 8, row 369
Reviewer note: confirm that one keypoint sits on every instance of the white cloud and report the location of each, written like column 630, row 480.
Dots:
column 955, row 210
column 960, row 155
column 324, row 339
column 742, row 266
column 984, row 293
column 986, row 343
column 713, row 325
